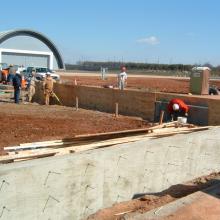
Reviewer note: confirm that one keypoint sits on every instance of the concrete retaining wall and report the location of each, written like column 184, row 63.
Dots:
column 76, row 185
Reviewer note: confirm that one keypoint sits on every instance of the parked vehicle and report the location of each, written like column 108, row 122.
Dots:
column 41, row 73
column 3, row 66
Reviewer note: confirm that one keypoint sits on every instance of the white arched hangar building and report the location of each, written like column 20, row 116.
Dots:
column 26, row 48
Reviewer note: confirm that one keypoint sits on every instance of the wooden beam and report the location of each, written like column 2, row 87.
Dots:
column 161, row 117
column 77, row 103
column 9, row 159
column 33, row 154
column 116, row 109
column 86, row 139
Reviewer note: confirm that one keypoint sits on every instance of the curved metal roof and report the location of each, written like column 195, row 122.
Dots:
column 5, row 35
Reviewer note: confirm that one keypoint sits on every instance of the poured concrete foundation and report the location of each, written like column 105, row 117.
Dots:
column 75, row 185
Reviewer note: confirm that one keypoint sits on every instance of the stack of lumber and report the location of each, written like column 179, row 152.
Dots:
column 79, row 143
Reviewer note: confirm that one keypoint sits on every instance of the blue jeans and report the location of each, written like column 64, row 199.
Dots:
column 17, row 95
column 177, row 114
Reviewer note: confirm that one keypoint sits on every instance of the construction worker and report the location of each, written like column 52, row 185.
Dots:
column 17, row 86
column 177, row 108
column 31, row 85
column 23, row 87
column 122, row 77
column 48, row 88
column 0, row 75
column 214, row 90
column 5, row 73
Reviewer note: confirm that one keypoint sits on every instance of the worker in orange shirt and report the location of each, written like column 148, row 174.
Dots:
column 5, row 73
column 177, row 108
column 23, row 88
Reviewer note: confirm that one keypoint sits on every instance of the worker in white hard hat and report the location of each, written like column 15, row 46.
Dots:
column 122, row 78
column 177, row 108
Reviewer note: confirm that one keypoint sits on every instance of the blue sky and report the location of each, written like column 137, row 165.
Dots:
column 164, row 31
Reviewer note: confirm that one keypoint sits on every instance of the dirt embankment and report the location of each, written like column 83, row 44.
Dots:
column 29, row 123
column 149, row 202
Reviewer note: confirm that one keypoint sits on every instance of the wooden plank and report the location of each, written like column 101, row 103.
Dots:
column 7, row 159
column 31, row 146
column 52, row 145
column 42, row 143
column 82, row 138
column 126, row 140
column 58, row 144
column 32, row 154
column 77, row 138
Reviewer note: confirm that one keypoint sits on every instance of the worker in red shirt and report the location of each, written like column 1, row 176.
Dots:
column 177, row 108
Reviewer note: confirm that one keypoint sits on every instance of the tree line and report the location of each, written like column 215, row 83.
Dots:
column 115, row 66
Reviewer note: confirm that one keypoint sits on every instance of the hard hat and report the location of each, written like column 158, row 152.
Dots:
column 123, row 68
column 48, row 73
column 18, row 72
column 176, row 107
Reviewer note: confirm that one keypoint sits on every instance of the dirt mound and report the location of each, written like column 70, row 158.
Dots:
column 149, row 202
column 29, row 123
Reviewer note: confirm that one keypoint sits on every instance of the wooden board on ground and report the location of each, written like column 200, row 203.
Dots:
column 47, row 151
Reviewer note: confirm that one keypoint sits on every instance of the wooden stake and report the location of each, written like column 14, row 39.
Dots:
column 116, row 109
column 77, row 103
column 161, row 117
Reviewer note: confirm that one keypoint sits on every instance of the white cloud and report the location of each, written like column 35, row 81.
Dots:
column 152, row 40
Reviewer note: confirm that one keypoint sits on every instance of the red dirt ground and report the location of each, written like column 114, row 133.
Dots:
column 149, row 202
column 30, row 123
column 163, row 84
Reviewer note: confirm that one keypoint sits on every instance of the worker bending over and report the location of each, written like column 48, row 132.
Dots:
column 177, row 108
column 48, row 88
column 122, row 77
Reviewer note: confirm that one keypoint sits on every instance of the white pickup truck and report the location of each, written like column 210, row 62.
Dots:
column 41, row 73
